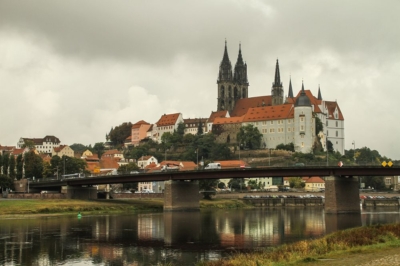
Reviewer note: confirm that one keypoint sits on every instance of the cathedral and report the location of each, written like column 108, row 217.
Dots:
column 280, row 120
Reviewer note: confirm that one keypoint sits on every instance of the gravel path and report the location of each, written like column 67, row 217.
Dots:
column 384, row 261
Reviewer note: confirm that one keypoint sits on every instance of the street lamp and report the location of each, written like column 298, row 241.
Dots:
column 327, row 156
column 197, row 155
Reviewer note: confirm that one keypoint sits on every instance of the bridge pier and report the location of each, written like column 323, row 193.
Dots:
column 76, row 192
column 181, row 196
column 342, row 195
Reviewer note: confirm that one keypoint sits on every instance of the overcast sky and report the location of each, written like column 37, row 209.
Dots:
column 74, row 69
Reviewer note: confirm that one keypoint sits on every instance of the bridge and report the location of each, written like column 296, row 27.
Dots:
column 181, row 187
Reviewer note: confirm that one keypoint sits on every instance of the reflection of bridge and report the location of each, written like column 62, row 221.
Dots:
column 341, row 183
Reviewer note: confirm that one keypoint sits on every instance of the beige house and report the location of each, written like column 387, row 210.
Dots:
column 315, row 184
column 146, row 160
column 63, row 150
column 139, row 132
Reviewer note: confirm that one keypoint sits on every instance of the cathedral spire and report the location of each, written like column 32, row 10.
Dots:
column 240, row 72
column 225, row 68
column 319, row 93
column 277, row 88
column 290, row 94
column 277, row 81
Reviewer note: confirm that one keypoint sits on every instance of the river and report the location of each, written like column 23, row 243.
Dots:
column 182, row 238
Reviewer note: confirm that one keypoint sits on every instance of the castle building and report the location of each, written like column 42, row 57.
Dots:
column 279, row 120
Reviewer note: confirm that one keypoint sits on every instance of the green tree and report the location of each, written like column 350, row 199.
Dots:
column 6, row 163
column 56, row 165
column 6, row 182
column 47, row 170
column 28, row 144
column 286, row 147
column 20, row 166
column 319, row 127
column 220, row 151
column 12, row 167
column 295, row 182
column 99, row 148
column 1, row 163
column 73, row 165
column 80, row 148
column 200, row 128
column 250, row 137
column 253, row 184
column 376, row 182
column 127, row 168
column 180, row 131
column 208, row 186
column 119, row 134
column 33, row 165
column 237, row 184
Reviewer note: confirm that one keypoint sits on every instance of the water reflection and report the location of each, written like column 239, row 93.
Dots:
column 180, row 238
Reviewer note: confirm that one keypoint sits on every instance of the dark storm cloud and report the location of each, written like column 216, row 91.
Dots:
column 96, row 64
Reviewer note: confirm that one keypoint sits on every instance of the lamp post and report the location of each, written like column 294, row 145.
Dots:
column 269, row 158
column 197, row 155
column 327, row 150
column 64, row 166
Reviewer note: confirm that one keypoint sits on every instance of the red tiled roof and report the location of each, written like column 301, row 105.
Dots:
column 59, row 148
column 331, row 109
column 139, row 123
column 168, row 120
column 315, row 179
column 214, row 115
column 228, row 120
column 282, row 111
column 242, row 105
column 108, row 162
column 112, row 152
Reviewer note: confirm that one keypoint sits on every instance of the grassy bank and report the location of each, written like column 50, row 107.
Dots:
column 349, row 247
column 66, row 206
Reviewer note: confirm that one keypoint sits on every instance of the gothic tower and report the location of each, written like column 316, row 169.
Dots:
column 277, row 88
column 231, row 87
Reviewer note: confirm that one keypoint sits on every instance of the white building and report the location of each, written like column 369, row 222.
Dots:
column 42, row 145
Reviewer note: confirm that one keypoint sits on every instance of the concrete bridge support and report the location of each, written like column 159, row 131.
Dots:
column 342, row 195
column 181, row 196
column 80, row 192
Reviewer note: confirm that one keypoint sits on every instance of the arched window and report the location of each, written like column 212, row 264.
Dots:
column 244, row 93
column 235, row 93
column 229, row 91
column 222, row 92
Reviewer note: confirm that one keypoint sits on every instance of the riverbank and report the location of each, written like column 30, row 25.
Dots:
column 39, row 207
column 372, row 245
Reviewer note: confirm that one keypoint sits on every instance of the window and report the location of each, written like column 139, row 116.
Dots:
column 337, row 133
column 336, row 123
column 302, row 119
column 272, row 122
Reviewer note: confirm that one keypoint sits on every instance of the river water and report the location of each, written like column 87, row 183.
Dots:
column 182, row 238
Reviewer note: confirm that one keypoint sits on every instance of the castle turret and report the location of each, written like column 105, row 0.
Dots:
column 304, row 123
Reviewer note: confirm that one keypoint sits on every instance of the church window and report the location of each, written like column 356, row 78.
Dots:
column 244, row 93
column 229, row 92
column 222, row 91
column 235, row 93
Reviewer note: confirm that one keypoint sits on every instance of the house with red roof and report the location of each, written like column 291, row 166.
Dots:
column 213, row 115
column 63, row 150
column 144, row 161
column 227, row 128
column 42, row 145
column 166, row 123
column 139, row 132
column 192, row 125
column 315, row 184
